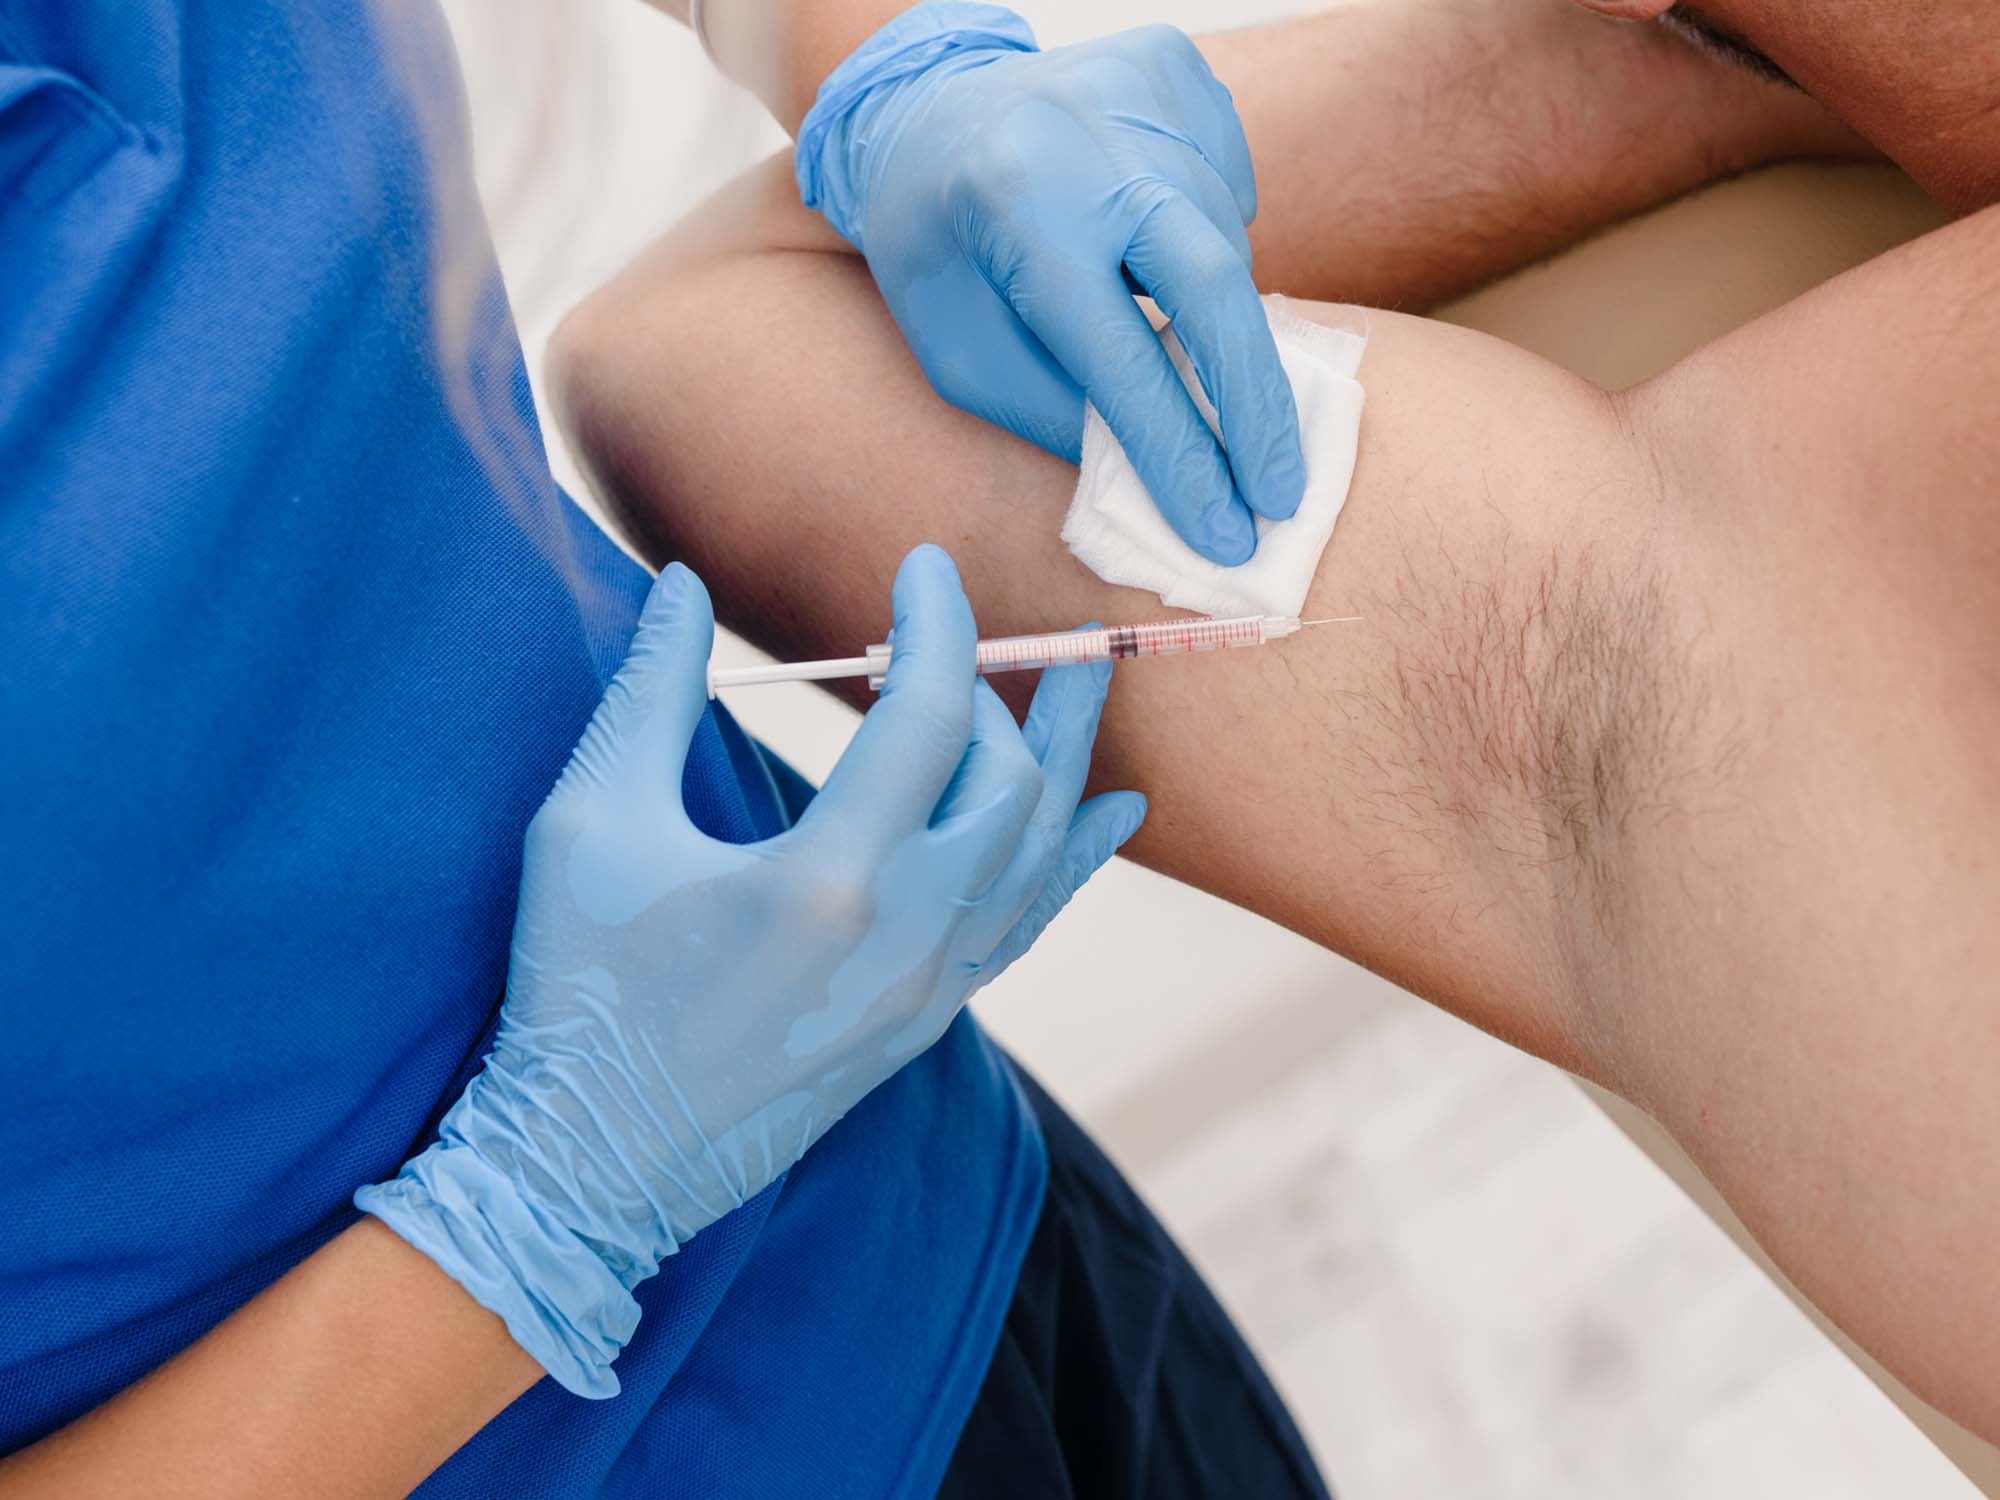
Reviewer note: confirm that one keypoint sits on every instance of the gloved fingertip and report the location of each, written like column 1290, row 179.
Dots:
column 677, row 602
column 928, row 589
column 1101, row 828
column 1132, row 810
column 1282, row 485
column 1091, row 854
column 668, row 589
column 930, row 556
column 1225, row 534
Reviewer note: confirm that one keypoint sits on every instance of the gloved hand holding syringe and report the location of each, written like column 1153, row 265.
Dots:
column 1013, row 653
column 686, row 1015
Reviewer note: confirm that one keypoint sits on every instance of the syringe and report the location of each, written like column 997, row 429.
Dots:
column 1013, row 653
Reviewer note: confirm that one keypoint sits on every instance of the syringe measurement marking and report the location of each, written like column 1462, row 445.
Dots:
column 1118, row 643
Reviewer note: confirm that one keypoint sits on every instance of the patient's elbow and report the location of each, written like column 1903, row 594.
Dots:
column 579, row 368
column 620, row 394
column 665, row 381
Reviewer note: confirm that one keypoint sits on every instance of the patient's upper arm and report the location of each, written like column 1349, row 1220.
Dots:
column 1431, row 790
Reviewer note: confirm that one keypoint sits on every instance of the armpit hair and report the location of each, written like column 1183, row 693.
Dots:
column 1547, row 709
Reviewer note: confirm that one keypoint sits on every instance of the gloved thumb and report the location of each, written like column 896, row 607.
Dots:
column 647, row 719
column 1097, row 831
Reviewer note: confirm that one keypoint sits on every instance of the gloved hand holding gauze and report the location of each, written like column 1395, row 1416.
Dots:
column 1115, row 529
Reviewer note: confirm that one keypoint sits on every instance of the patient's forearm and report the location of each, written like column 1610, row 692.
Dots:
column 1405, row 149
column 1410, row 149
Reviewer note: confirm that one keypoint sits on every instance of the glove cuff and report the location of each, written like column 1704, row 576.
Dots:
column 559, row 1299
column 914, row 42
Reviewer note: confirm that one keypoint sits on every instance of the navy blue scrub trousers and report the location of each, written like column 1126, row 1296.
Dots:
column 1118, row 1375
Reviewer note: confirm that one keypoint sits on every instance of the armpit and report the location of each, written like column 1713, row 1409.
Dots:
column 1549, row 708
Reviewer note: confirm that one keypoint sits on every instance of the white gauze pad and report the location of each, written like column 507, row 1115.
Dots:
column 1117, row 532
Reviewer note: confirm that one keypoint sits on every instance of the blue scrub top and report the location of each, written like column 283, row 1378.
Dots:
column 295, row 633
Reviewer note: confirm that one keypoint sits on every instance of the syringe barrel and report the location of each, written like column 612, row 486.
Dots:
column 1015, row 653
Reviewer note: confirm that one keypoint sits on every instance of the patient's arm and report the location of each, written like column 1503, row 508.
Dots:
column 772, row 431
column 1410, row 149
column 1664, row 748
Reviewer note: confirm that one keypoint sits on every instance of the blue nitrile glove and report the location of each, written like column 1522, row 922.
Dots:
column 685, row 1017
column 1002, row 197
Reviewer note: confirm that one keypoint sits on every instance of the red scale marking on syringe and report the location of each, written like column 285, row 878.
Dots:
column 1119, row 643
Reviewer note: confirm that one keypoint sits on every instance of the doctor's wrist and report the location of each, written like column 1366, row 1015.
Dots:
column 854, row 109
column 560, row 1299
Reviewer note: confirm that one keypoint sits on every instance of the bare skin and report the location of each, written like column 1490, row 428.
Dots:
column 355, row 1374
column 1664, row 747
